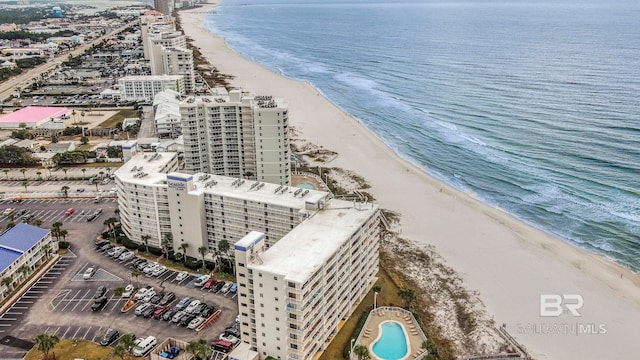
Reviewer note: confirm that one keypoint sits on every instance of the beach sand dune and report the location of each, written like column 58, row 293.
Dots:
column 507, row 262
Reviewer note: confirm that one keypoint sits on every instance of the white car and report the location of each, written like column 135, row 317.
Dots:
column 88, row 274
column 127, row 255
column 193, row 324
column 226, row 287
column 141, row 308
column 149, row 295
column 128, row 290
column 183, row 275
column 202, row 280
column 230, row 338
column 142, row 293
column 159, row 270
column 150, row 268
column 192, row 306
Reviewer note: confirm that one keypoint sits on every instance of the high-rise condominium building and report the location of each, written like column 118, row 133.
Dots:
column 237, row 135
column 145, row 87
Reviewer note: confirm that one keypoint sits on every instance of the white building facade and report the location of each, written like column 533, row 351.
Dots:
column 145, row 87
column 237, row 135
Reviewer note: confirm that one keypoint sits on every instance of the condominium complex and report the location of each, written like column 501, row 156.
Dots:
column 293, row 296
column 145, row 87
column 166, row 109
column 237, row 135
column 22, row 245
column 142, row 196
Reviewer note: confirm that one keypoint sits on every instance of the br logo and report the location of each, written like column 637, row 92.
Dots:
column 552, row 305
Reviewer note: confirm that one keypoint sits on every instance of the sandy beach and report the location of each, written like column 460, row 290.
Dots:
column 509, row 263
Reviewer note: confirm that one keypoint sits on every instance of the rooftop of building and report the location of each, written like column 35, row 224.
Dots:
column 250, row 190
column 151, row 78
column 145, row 168
column 304, row 250
column 18, row 240
column 235, row 97
column 32, row 114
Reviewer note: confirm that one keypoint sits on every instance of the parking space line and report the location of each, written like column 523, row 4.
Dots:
column 96, row 334
column 65, row 333
column 87, row 333
column 76, row 333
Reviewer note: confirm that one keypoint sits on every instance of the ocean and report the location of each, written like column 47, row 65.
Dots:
column 534, row 107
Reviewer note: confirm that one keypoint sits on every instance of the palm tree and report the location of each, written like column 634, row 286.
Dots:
column 82, row 113
column 128, row 341
column 63, row 233
column 203, row 251
column 39, row 173
column 83, row 173
column 25, row 183
column 95, row 182
column 45, row 343
column 223, row 247
column 145, row 239
column 408, row 295
column 118, row 291
column 6, row 173
column 110, row 223
column 101, row 173
column 23, row 170
column 65, row 190
column 199, row 349
column 117, row 212
column 167, row 240
column 55, row 229
column 184, row 247
column 120, row 351
column 37, row 222
column 73, row 113
column 7, row 281
column 135, row 273
column 24, row 269
column 65, row 172
column 45, row 248
column 361, row 352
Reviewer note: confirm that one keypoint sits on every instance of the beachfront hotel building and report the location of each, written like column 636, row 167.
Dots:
column 21, row 245
column 145, row 87
column 237, row 135
column 293, row 296
column 166, row 110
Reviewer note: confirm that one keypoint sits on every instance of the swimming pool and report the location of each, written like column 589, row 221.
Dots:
column 392, row 342
column 306, row 186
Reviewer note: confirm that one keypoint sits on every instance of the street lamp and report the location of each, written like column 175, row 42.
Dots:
column 375, row 298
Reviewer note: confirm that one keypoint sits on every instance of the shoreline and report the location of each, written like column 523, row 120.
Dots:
column 508, row 262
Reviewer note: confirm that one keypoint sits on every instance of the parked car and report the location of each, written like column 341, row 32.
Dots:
column 186, row 319
column 209, row 283
column 99, row 303
column 150, row 294
column 234, row 288
column 226, row 287
column 193, row 324
column 169, row 314
column 100, row 291
column 148, row 312
column 143, row 292
column 107, row 247
column 182, row 304
column 181, row 276
column 138, row 261
column 70, row 211
column 100, row 244
column 159, row 270
column 8, row 211
column 156, row 298
column 116, row 252
column 128, row 290
column 142, row 308
column 142, row 265
column 150, row 268
column 167, row 299
column 208, row 311
column 192, row 306
column 127, row 255
column 201, row 280
column 109, row 337
column 159, row 311
column 200, row 308
column 221, row 345
column 88, row 274
column 218, row 286
column 178, row 316
column 230, row 338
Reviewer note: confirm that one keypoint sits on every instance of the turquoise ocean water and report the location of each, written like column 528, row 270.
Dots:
column 533, row 106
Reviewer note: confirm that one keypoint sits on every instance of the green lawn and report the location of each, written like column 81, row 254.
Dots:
column 119, row 117
column 84, row 349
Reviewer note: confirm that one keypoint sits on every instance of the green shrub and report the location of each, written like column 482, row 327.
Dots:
column 63, row 244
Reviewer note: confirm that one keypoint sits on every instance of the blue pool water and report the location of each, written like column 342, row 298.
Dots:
column 307, row 186
column 392, row 344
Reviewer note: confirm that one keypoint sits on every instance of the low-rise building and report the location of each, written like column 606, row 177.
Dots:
column 21, row 245
column 145, row 87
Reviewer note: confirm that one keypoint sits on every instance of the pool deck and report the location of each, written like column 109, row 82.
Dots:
column 371, row 329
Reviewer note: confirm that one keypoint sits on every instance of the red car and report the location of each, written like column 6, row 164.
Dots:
column 160, row 311
column 209, row 283
column 70, row 211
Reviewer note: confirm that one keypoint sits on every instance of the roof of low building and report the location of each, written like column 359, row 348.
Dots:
column 31, row 114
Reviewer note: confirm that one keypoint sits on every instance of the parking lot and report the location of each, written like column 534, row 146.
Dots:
column 60, row 303
column 52, row 210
